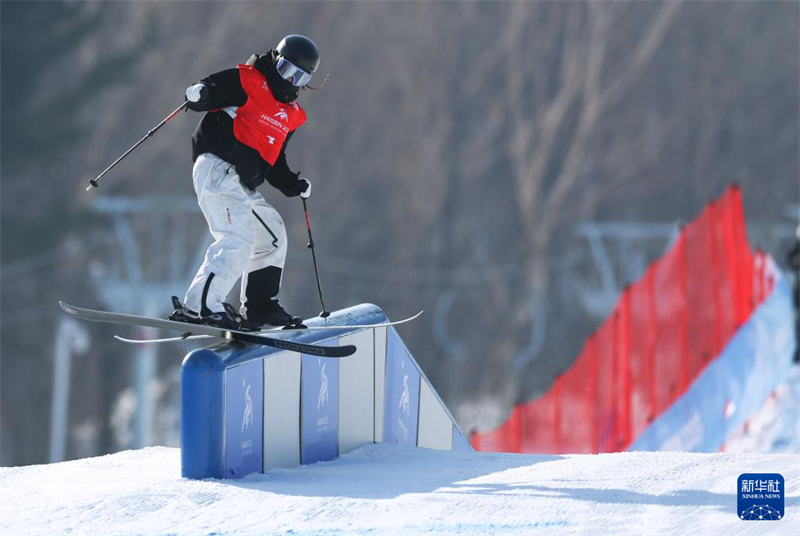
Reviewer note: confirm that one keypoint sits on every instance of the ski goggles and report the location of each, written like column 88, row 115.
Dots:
column 291, row 72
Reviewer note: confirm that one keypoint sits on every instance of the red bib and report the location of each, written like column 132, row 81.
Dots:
column 263, row 122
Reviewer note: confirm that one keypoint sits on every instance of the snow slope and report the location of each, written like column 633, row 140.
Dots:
column 385, row 489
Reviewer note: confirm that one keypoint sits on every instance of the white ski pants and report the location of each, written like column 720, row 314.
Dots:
column 248, row 234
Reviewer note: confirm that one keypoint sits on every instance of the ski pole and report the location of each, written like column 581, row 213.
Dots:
column 324, row 313
column 93, row 183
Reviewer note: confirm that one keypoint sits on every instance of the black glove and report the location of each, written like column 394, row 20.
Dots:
column 305, row 194
column 296, row 187
column 198, row 97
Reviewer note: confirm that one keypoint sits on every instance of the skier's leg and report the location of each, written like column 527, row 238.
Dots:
column 261, row 280
column 227, row 211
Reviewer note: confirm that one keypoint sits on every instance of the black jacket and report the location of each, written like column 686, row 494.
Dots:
column 215, row 135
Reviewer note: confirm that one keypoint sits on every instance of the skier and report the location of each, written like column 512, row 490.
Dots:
column 252, row 112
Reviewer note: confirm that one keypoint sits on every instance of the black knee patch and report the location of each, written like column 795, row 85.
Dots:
column 262, row 286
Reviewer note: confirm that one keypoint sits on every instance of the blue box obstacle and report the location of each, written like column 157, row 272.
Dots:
column 248, row 408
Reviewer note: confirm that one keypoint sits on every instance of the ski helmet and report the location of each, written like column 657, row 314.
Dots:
column 301, row 51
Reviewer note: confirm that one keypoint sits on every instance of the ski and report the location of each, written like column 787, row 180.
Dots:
column 266, row 332
column 199, row 329
column 185, row 337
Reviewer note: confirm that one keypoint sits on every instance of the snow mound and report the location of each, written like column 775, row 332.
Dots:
column 386, row 489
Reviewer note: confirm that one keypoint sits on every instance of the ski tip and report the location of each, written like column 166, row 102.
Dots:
column 346, row 350
column 409, row 319
column 67, row 307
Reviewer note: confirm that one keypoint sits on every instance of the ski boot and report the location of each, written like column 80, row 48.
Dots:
column 273, row 314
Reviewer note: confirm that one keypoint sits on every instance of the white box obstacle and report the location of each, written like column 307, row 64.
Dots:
column 248, row 408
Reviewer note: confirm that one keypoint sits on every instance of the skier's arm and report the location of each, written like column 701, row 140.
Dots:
column 283, row 178
column 218, row 90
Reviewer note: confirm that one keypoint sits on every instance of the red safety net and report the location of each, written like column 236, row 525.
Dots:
column 575, row 401
column 664, row 330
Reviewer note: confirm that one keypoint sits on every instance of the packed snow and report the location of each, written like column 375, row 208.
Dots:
column 386, row 489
